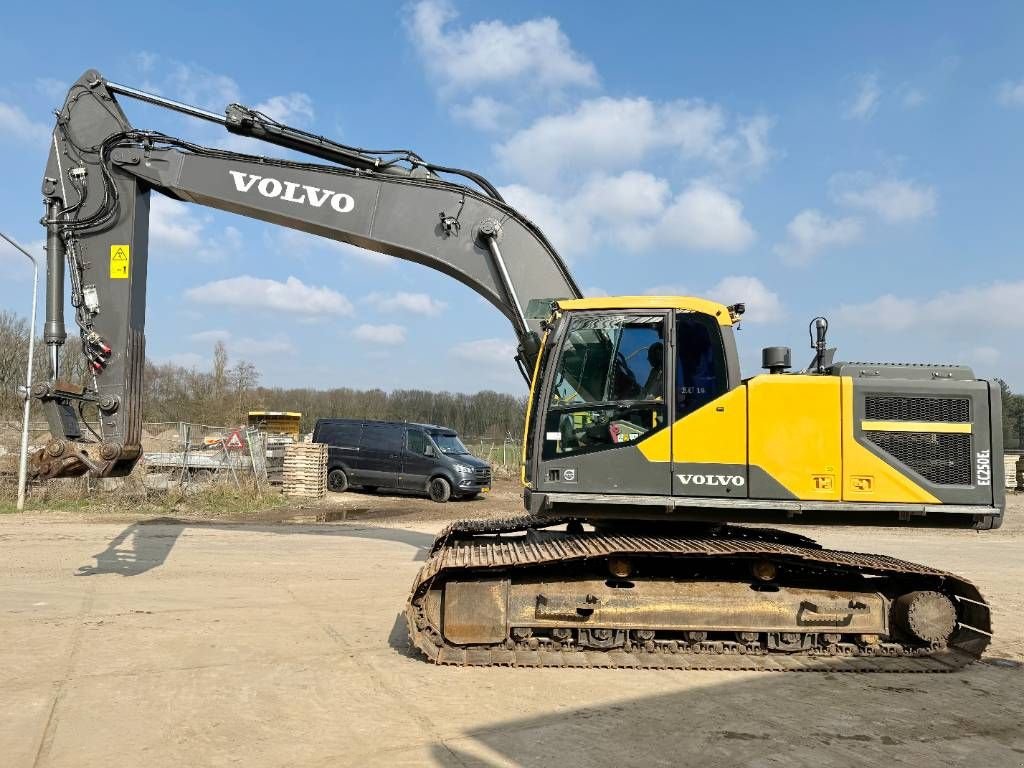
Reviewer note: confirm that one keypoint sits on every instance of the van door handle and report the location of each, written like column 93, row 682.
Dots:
column 393, row 456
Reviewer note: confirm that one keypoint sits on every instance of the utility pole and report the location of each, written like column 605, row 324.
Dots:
column 27, row 389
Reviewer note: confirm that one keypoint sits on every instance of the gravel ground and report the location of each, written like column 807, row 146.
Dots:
column 277, row 642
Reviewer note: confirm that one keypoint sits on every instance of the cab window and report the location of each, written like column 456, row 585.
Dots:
column 609, row 386
column 701, row 372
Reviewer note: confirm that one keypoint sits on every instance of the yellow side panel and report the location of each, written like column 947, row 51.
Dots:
column 795, row 433
column 867, row 477
column 715, row 434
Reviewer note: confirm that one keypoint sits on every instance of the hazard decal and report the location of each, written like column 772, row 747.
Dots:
column 120, row 262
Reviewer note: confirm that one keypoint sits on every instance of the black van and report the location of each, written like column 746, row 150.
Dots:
column 412, row 457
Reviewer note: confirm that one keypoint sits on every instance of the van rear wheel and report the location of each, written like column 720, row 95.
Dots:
column 337, row 480
column 439, row 489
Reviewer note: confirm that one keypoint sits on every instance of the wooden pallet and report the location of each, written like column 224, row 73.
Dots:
column 304, row 470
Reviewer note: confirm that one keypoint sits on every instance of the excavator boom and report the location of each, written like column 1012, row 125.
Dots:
column 98, row 182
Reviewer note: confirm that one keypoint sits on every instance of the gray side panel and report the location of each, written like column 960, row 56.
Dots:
column 908, row 371
column 981, row 437
column 995, row 404
column 615, row 470
column 764, row 486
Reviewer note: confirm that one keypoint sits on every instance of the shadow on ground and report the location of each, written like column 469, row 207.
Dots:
column 972, row 717
column 145, row 545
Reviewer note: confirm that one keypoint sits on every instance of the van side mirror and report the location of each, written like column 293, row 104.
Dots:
column 429, row 451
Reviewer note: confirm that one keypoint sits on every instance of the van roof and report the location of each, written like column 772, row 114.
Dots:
column 427, row 427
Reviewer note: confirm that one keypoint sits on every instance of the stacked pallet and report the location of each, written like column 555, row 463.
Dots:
column 276, row 445
column 1013, row 465
column 305, row 470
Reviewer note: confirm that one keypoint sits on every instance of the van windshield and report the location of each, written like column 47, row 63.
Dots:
column 449, row 444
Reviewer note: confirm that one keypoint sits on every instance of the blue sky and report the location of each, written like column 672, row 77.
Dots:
column 862, row 162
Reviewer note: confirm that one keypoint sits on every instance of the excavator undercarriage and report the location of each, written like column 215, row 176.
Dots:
column 522, row 593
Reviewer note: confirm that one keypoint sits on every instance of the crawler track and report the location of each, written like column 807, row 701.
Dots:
column 482, row 549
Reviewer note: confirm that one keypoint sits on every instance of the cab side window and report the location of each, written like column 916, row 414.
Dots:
column 701, row 373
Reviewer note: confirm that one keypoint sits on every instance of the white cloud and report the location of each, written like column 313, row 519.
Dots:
column 180, row 230
column 635, row 210
column 968, row 309
column 566, row 227
column 389, row 334
column 762, row 305
column 294, row 108
column 403, row 301
column 865, row 103
column 172, row 225
column 706, row 218
column 197, row 85
column 631, row 195
column 14, row 123
column 892, row 199
column 811, row 232
column 292, row 296
column 485, row 113
column 485, row 351
column 1011, row 94
column 614, row 134
column 535, row 52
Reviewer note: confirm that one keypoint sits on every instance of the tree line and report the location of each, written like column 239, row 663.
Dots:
column 225, row 394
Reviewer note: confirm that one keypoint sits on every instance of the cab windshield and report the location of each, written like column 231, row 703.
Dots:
column 449, row 444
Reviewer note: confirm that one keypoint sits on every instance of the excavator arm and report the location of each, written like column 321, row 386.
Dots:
column 97, row 188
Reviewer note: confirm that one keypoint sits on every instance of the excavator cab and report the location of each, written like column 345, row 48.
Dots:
column 617, row 376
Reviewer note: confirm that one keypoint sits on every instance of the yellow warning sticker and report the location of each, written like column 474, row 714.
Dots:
column 119, row 262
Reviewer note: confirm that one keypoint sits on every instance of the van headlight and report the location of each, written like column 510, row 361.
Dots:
column 463, row 468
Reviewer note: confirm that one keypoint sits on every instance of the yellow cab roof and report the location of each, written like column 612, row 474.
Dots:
column 687, row 303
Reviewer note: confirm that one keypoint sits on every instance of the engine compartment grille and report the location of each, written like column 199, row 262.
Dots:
column 941, row 458
column 894, row 408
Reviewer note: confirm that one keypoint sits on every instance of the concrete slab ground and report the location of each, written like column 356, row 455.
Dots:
column 192, row 644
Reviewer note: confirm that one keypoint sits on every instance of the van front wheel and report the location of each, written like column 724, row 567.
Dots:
column 440, row 490
column 337, row 480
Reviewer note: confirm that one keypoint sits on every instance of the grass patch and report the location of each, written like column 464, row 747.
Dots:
column 132, row 496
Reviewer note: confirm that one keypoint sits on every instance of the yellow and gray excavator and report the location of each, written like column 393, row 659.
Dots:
column 643, row 445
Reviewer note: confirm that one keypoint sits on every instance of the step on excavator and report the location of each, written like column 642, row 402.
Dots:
column 645, row 451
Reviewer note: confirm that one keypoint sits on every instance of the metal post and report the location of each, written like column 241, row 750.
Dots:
column 27, row 393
